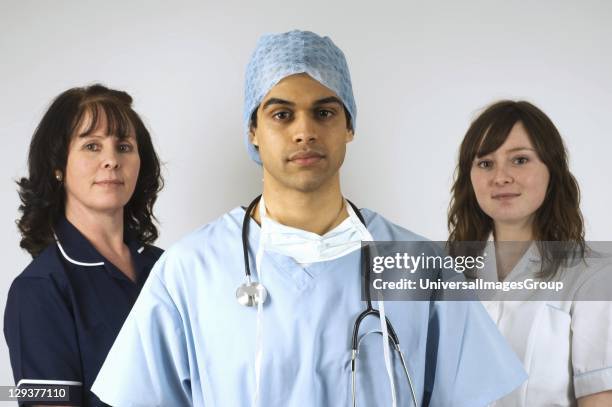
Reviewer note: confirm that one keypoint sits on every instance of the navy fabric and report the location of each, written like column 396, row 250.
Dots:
column 62, row 318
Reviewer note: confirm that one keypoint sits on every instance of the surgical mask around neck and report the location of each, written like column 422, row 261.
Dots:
column 308, row 247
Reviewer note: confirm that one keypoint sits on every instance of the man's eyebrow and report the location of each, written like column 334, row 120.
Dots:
column 277, row 101
column 327, row 100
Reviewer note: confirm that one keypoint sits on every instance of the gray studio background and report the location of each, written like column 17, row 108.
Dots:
column 420, row 73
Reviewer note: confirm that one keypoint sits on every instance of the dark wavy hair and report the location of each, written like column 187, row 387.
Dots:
column 557, row 220
column 43, row 196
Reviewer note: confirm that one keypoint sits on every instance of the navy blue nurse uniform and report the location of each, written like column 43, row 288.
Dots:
column 65, row 309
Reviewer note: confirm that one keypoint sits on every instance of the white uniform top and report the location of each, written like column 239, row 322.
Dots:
column 565, row 344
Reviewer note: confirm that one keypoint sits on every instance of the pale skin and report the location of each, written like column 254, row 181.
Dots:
column 100, row 178
column 510, row 186
column 302, row 134
column 603, row 399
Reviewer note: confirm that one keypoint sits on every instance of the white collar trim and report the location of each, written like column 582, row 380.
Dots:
column 71, row 260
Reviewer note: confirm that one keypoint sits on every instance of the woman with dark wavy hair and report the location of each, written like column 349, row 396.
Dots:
column 513, row 187
column 87, row 220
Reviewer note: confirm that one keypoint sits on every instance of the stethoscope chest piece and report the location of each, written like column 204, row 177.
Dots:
column 251, row 294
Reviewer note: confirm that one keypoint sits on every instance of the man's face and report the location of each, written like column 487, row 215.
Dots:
column 301, row 134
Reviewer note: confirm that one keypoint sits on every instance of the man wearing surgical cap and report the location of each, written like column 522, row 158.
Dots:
column 268, row 322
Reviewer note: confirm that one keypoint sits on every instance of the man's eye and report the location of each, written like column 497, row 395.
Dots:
column 284, row 115
column 92, row 147
column 324, row 114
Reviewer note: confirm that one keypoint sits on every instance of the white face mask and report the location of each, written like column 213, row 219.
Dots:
column 307, row 247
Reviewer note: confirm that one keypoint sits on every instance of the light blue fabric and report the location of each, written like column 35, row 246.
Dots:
column 280, row 55
column 188, row 342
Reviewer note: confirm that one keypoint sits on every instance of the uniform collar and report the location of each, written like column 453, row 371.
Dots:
column 76, row 249
column 523, row 266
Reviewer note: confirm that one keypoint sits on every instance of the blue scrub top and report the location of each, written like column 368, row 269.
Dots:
column 187, row 341
column 65, row 310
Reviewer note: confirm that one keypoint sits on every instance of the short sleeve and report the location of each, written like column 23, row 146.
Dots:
column 473, row 363
column 148, row 363
column 41, row 335
column 592, row 336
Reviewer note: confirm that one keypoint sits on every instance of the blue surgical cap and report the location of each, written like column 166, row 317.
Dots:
column 280, row 55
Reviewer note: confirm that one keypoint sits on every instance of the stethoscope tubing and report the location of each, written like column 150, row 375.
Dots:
column 370, row 310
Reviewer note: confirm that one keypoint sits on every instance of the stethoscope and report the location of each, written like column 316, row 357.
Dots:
column 251, row 293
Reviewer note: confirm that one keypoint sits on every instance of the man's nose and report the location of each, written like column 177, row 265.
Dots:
column 304, row 129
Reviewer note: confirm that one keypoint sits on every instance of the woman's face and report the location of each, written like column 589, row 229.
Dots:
column 510, row 183
column 101, row 170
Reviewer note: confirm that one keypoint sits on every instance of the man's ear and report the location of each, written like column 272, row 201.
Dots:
column 350, row 134
column 253, row 137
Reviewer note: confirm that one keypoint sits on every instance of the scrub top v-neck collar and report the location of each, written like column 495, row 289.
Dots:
column 300, row 276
